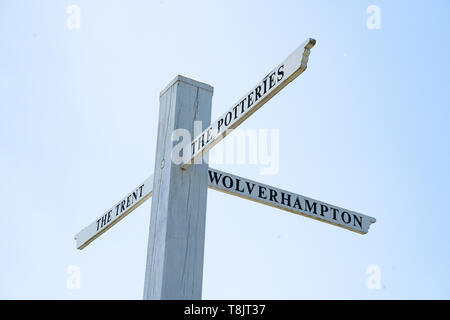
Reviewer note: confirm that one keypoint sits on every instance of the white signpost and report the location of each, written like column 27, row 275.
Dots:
column 177, row 223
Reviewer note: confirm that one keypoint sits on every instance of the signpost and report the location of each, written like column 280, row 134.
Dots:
column 177, row 223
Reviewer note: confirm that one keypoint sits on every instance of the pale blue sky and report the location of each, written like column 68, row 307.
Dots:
column 366, row 127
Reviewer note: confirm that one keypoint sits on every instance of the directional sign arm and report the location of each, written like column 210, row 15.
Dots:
column 270, row 85
column 288, row 201
column 119, row 211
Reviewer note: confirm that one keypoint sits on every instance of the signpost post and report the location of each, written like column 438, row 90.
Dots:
column 177, row 224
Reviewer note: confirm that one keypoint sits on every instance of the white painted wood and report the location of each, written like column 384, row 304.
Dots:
column 288, row 201
column 291, row 67
column 271, row 84
column 119, row 211
column 177, row 224
column 174, row 268
column 245, row 188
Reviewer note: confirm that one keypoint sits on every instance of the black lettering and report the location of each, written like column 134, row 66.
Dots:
column 224, row 184
column 257, row 93
column 261, row 193
column 237, row 185
column 249, row 99
column 208, row 135
column 248, row 187
column 346, row 214
column 103, row 221
column 297, row 204
column 227, row 122
column 235, row 111
column 272, row 81
column 310, row 208
column 335, row 211
column 323, row 209
column 288, row 198
column 201, row 140
column 219, row 124
column 280, row 73
column 273, row 195
column 242, row 105
column 355, row 218
column 216, row 178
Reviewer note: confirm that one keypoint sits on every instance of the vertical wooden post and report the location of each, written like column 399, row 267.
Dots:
column 177, row 224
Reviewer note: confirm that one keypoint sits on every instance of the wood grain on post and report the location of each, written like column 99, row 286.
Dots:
column 177, row 224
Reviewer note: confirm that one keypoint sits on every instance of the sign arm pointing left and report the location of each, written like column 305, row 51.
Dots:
column 130, row 202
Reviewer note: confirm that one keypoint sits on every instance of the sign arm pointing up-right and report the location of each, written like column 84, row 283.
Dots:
column 270, row 85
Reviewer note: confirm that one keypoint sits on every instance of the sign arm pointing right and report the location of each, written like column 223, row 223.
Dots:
column 289, row 201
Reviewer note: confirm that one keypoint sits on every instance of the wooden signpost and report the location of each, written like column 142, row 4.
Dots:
column 177, row 224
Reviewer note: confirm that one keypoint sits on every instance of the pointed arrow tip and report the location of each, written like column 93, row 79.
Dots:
column 311, row 43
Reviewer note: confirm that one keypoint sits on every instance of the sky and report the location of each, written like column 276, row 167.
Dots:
column 365, row 127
